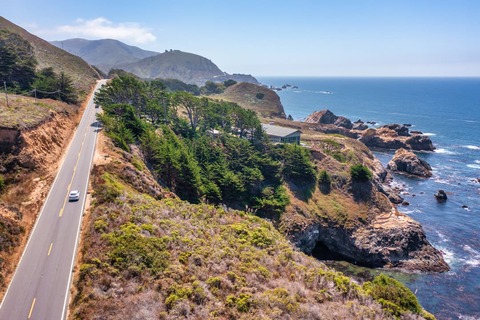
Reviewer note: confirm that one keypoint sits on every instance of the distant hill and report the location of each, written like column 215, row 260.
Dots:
column 110, row 54
column 264, row 101
column 187, row 67
column 104, row 54
column 47, row 55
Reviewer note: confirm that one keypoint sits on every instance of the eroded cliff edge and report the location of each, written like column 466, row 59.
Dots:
column 355, row 220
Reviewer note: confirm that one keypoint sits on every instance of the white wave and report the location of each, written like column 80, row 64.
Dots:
column 474, row 166
column 474, row 259
column 430, row 134
column 445, row 151
column 465, row 317
column 472, row 147
column 477, row 161
column 443, row 237
column 448, row 255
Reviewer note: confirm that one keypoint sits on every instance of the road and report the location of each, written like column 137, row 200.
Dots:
column 41, row 284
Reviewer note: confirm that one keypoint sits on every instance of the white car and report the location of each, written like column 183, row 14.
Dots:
column 74, row 195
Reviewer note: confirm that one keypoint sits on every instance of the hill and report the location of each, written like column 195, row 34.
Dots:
column 148, row 256
column 47, row 55
column 187, row 67
column 262, row 100
column 104, row 54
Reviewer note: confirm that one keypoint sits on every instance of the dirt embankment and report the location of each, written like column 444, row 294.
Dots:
column 28, row 167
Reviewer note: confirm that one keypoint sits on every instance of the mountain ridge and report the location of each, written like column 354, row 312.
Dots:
column 107, row 54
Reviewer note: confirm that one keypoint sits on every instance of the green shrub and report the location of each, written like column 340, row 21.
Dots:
column 2, row 183
column 392, row 295
column 260, row 95
column 360, row 173
column 244, row 302
column 324, row 178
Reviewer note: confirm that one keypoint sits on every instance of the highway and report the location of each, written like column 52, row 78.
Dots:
column 41, row 284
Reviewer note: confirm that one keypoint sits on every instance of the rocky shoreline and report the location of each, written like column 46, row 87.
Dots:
column 390, row 136
column 384, row 237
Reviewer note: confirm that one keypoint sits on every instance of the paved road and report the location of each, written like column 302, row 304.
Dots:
column 41, row 284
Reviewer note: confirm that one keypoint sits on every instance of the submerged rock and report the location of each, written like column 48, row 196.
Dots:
column 405, row 161
column 441, row 196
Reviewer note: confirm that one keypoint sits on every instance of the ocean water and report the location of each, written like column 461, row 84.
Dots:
column 447, row 109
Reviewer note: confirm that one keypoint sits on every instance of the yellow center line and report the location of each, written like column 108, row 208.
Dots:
column 31, row 308
column 50, row 249
column 74, row 171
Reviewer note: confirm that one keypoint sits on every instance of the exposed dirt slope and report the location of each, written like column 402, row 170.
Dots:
column 29, row 157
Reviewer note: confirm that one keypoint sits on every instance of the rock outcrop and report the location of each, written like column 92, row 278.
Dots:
column 405, row 161
column 395, row 137
column 392, row 240
column 327, row 117
column 390, row 136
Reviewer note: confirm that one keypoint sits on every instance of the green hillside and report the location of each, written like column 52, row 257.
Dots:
column 47, row 55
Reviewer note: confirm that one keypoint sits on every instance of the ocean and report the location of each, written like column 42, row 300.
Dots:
column 448, row 110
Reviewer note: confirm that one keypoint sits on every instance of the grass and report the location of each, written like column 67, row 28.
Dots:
column 23, row 112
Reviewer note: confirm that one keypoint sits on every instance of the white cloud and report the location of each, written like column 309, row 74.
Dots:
column 101, row 28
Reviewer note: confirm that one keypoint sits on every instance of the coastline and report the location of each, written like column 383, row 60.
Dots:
column 443, row 110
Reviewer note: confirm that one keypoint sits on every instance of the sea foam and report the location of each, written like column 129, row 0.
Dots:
column 444, row 151
column 472, row 147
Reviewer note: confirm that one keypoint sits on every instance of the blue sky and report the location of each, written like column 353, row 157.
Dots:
column 274, row 38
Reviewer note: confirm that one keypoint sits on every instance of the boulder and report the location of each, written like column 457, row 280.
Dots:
column 405, row 161
column 322, row 117
column 359, row 125
column 441, row 196
column 420, row 142
column 401, row 130
column 343, row 122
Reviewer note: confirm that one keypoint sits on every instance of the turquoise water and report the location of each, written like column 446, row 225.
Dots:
column 449, row 111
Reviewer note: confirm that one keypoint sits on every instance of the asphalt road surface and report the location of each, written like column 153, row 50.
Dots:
column 41, row 284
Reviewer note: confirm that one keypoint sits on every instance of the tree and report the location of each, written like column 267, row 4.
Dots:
column 211, row 88
column 67, row 91
column 192, row 106
column 360, row 173
column 46, row 83
column 123, row 90
column 17, row 61
column 297, row 166
column 229, row 82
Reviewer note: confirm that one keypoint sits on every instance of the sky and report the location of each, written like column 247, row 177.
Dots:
column 278, row 38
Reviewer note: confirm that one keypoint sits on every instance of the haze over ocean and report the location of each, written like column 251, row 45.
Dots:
column 447, row 109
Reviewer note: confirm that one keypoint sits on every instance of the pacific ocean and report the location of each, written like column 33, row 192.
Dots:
column 447, row 109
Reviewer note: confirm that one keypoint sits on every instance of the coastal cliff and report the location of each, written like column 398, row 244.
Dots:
column 352, row 220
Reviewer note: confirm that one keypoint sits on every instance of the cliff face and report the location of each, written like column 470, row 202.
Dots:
column 391, row 240
column 356, row 221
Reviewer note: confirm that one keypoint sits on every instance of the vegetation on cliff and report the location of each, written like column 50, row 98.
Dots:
column 145, row 257
column 217, row 153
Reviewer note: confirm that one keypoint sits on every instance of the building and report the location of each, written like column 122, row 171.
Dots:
column 282, row 134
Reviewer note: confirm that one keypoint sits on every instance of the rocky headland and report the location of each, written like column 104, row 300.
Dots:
column 359, row 221
column 391, row 136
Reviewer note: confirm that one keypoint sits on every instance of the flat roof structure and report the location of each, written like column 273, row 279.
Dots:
column 282, row 134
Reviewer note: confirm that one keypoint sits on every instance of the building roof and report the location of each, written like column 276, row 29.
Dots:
column 272, row 130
